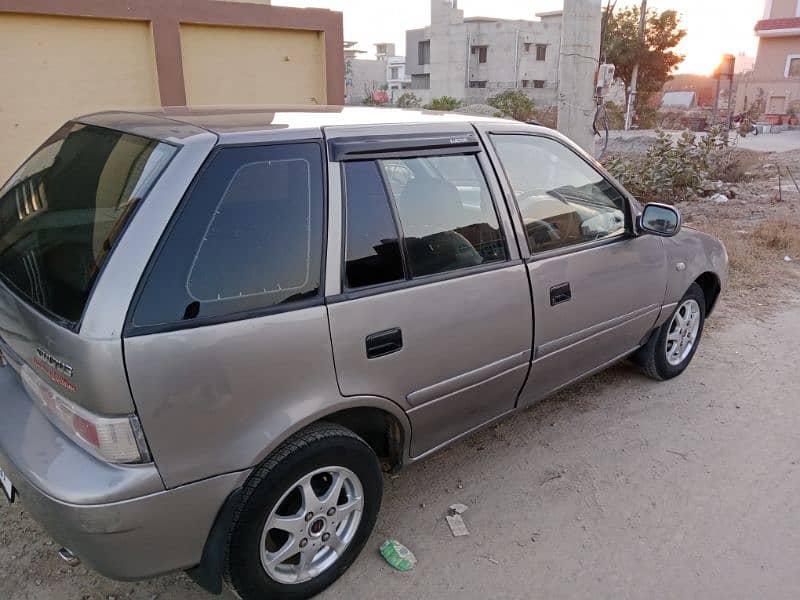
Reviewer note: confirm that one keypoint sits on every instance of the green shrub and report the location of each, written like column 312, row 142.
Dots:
column 514, row 104
column 446, row 103
column 408, row 100
column 672, row 171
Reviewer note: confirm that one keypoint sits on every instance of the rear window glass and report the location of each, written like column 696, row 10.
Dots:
column 249, row 238
column 446, row 212
column 372, row 246
column 62, row 212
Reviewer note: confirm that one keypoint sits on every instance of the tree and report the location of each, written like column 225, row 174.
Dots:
column 444, row 103
column 514, row 104
column 656, row 56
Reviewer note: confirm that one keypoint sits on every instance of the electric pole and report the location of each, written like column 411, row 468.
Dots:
column 577, row 70
column 635, row 74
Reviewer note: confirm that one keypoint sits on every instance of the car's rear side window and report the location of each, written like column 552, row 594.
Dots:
column 63, row 211
column 248, row 238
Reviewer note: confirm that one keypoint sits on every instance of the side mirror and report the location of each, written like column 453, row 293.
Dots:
column 659, row 219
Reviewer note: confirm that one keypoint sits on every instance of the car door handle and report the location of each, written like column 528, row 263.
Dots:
column 384, row 342
column 560, row 294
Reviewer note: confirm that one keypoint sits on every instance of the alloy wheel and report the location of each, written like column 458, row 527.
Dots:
column 311, row 525
column 683, row 331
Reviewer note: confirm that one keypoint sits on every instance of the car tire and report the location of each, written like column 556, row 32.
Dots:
column 293, row 491
column 671, row 347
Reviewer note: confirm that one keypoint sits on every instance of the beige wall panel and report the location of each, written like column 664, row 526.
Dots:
column 237, row 65
column 772, row 55
column 782, row 9
column 54, row 68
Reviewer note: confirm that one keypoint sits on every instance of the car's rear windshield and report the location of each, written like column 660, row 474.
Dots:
column 62, row 212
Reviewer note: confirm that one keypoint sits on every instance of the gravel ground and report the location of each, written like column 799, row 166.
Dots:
column 619, row 487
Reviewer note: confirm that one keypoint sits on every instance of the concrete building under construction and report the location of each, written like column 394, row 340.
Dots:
column 477, row 57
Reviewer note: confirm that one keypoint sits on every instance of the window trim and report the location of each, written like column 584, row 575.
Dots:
column 788, row 68
column 130, row 330
column 556, row 252
column 347, row 293
column 403, row 145
column 626, row 234
column 385, row 288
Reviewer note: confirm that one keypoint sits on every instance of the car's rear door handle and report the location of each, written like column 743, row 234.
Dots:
column 560, row 293
column 384, row 342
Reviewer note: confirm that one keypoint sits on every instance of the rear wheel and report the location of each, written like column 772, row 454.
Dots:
column 672, row 346
column 305, row 514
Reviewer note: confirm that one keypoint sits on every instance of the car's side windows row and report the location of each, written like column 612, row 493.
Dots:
column 250, row 234
column 563, row 201
column 412, row 217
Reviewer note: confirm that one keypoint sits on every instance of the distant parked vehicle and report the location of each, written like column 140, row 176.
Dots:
column 219, row 326
column 742, row 122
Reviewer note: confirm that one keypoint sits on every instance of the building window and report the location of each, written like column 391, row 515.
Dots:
column 421, row 82
column 482, row 52
column 424, row 52
column 541, row 52
column 527, row 46
column 477, row 84
column 394, row 73
column 533, row 83
column 793, row 65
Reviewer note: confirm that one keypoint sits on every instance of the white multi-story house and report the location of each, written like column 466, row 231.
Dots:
column 474, row 58
column 386, row 72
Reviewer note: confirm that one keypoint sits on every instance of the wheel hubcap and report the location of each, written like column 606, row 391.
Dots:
column 312, row 525
column 683, row 330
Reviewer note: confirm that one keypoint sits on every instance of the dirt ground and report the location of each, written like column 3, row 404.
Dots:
column 619, row 487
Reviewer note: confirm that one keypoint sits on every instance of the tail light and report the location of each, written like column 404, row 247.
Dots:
column 112, row 439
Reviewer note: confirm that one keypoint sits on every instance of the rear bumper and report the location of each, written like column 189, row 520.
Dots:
column 118, row 520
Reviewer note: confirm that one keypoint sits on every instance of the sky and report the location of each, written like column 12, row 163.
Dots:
column 715, row 27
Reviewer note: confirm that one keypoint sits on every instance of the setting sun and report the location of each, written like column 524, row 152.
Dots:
column 714, row 28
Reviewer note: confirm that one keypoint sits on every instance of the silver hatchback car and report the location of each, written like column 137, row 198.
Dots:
column 218, row 327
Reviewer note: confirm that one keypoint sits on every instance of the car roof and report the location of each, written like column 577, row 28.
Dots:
column 181, row 123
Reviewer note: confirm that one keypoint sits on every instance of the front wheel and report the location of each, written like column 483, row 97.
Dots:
column 672, row 346
column 304, row 516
